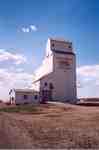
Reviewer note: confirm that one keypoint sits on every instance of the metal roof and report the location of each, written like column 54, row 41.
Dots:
column 25, row 90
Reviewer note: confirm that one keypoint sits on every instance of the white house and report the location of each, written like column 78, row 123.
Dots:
column 24, row 96
column 55, row 79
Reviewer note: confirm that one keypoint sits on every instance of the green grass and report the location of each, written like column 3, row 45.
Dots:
column 21, row 108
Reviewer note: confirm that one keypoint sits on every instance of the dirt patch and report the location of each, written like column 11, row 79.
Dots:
column 54, row 126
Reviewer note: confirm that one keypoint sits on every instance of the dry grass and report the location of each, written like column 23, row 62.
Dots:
column 64, row 126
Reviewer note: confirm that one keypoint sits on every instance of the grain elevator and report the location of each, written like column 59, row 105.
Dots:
column 55, row 79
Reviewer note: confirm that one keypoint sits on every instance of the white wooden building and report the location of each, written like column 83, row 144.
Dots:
column 55, row 79
column 24, row 96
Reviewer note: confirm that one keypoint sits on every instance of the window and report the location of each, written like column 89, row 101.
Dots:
column 25, row 97
column 45, row 84
column 69, row 46
column 51, row 86
column 36, row 97
column 53, row 45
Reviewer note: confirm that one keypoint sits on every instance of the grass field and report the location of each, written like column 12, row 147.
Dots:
column 49, row 126
column 20, row 108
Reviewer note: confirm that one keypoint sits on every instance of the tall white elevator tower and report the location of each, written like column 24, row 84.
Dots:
column 59, row 70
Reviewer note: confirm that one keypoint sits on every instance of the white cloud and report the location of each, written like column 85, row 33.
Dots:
column 33, row 27
column 11, row 78
column 25, row 30
column 88, row 80
column 16, row 58
column 30, row 28
column 88, row 74
column 88, row 71
column 15, row 79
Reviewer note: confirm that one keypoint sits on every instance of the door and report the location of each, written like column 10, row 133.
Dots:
column 46, row 95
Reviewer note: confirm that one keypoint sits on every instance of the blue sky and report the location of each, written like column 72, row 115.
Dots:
column 25, row 26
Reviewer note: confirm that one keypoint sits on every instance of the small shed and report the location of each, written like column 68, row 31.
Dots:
column 24, row 96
